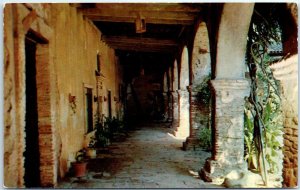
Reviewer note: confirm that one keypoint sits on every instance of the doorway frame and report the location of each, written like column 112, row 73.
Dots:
column 46, row 118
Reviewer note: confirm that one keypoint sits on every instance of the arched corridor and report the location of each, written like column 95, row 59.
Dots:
column 154, row 95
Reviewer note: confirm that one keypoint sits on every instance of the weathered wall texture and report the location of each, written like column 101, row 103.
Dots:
column 19, row 18
column 287, row 72
column 228, row 130
column 11, row 145
column 77, row 42
column 69, row 61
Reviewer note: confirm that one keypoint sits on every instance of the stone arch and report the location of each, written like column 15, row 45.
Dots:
column 183, row 96
column 175, row 78
column 232, row 40
column 41, row 32
column 201, row 62
column 200, row 70
column 184, row 75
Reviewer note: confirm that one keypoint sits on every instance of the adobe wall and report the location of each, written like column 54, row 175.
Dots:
column 71, row 64
column 287, row 72
column 77, row 42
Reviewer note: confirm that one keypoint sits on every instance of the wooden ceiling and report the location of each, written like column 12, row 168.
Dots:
column 167, row 24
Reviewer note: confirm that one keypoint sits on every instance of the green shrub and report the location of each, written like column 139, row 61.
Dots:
column 205, row 138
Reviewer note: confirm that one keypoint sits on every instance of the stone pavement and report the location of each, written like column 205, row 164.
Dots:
column 149, row 158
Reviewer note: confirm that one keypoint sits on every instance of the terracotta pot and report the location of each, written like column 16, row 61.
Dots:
column 79, row 168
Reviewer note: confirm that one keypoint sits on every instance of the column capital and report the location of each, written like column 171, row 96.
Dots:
column 182, row 91
column 242, row 86
column 220, row 84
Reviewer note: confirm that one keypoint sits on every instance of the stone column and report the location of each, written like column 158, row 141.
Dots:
column 175, row 122
column 287, row 72
column 184, row 114
column 166, row 105
column 228, row 130
column 199, row 117
column 169, row 107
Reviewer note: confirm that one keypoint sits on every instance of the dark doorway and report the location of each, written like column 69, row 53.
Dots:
column 89, row 109
column 31, row 154
column 109, row 103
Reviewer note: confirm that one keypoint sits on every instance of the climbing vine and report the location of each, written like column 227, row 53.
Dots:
column 263, row 119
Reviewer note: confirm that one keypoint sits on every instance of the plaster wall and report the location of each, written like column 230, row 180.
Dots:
column 77, row 42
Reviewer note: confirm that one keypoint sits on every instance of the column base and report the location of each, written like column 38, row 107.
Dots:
column 191, row 143
column 215, row 172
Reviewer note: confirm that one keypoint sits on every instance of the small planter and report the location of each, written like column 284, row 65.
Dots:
column 79, row 168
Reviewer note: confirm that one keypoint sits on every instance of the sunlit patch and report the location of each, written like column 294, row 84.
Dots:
column 177, row 138
column 193, row 173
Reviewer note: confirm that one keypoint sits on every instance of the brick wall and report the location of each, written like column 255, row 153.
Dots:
column 287, row 72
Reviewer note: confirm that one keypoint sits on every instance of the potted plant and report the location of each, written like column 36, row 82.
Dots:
column 101, row 134
column 79, row 166
column 91, row 151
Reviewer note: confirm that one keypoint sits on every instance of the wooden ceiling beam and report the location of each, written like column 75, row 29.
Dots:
column 142, row 48
column 148, row 20
column 174, row 7
column 134, row 13
column 138, row 40
column 155, row 17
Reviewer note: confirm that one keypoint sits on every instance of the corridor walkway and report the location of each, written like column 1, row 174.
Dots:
column 149, row 158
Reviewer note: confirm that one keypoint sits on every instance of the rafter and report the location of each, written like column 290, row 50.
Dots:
column 143, row 48
column 148, row 20
column 174, row 7
column 137, row 40
column 114, row 14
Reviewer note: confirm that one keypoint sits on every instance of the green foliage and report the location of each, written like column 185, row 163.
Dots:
column 205, row 138
column 203, row 89
column 102, row 135
column 113, row 125
column 105, row 131
column 263, row 118
column 80, row 155
column 250, row 147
